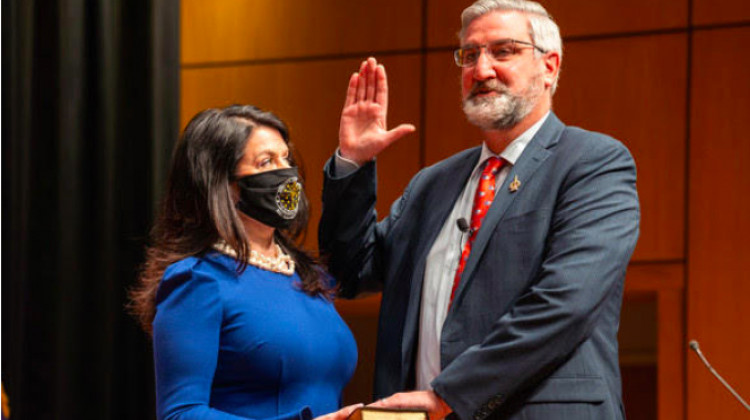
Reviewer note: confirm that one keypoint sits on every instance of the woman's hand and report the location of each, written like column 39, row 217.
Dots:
column 342, row 414
column 363, row 131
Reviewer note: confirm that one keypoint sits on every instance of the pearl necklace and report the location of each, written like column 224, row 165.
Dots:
column 281, row 263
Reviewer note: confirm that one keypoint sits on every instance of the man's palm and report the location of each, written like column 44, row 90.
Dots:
column 363, row 132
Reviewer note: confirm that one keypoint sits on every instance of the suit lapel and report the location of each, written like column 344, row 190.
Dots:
column 536, row 152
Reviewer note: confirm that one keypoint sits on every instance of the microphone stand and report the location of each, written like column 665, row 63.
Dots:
column 694, row 346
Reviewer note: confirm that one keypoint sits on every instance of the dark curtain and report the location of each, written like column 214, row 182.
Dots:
column 89, row 116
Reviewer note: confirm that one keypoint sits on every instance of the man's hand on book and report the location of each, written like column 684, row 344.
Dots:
column 426, row 400
column 342, row 414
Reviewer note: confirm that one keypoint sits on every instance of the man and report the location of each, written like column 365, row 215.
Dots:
column 501, row 267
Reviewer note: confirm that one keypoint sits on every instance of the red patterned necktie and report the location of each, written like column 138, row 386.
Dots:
column 482, row 201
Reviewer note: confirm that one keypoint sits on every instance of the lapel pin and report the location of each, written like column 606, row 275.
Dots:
column 515, row 184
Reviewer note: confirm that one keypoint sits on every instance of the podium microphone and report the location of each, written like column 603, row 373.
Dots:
column 694, row 346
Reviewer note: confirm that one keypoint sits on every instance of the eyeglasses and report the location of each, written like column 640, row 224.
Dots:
column 501, row 50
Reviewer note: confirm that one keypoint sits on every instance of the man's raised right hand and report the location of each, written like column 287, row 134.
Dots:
column 363, row 131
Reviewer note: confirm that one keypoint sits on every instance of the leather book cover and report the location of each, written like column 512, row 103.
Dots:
column 372, row 413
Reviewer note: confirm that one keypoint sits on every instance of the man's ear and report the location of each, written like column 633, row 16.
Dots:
column 551, row 63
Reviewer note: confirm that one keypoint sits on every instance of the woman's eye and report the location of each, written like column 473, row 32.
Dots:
column 264, row 162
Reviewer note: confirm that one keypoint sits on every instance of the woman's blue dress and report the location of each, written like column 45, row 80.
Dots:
column 246, row 346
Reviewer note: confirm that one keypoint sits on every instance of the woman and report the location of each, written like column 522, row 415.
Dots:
column 242, row 319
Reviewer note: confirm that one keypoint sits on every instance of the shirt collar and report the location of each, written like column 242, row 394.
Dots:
column 513, row 151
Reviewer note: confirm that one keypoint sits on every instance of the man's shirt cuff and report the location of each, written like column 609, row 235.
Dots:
column 342, row 166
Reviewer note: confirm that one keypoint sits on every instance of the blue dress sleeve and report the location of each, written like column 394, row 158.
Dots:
column 187, row 329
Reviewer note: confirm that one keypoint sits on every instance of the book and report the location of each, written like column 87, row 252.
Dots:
column 373, row 413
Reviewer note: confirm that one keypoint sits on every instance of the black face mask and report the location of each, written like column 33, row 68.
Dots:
column 272, row 198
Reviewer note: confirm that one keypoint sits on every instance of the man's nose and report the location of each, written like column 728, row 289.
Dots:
column 483, row 68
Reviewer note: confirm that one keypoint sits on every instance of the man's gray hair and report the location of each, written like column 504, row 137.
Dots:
column 543, row 30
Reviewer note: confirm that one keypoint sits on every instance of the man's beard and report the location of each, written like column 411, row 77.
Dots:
column 501, row 111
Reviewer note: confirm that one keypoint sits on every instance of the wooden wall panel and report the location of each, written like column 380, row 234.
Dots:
column 308, row 96
column 362, row 317
column 575, row 17
column 634, row 89
column 638, row 328
column 236, row 30
column 727, row 11
column 719, row 275
column 444, row 21
column 665, row 283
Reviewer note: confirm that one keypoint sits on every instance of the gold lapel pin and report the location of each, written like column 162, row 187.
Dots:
column 515, row 184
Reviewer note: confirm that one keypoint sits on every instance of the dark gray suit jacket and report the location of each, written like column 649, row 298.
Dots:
column 532, row 332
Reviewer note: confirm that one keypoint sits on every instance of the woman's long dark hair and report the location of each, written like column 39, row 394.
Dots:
column 198, row 209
